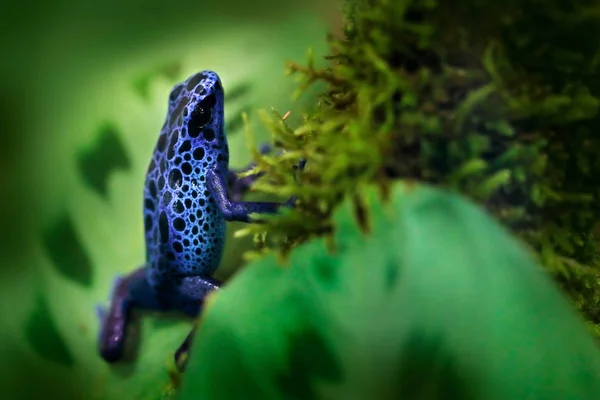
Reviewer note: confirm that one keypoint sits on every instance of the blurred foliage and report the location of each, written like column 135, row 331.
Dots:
column 497, row 101
column 398, row 311
column 85, row 90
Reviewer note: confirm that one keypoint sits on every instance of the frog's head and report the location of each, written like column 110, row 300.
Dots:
column 197, row 104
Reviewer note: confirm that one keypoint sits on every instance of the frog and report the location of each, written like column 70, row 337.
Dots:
column 189, row 194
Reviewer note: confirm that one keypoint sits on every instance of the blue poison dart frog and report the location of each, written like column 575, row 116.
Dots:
column 186, row 204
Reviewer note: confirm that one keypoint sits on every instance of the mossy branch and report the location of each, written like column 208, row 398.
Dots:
column 497, row 102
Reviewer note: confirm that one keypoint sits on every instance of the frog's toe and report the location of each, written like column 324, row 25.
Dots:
column 111, row 354
column 101, row 312
column 181, row 355
column 301, row 164
column 291, row 202
column 115, row 285
column 112, row 338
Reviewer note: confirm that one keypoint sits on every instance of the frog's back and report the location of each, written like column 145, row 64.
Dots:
column 185, row 231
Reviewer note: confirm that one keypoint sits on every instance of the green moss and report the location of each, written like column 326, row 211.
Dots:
column 498, row 101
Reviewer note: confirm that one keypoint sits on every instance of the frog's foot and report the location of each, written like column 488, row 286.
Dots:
column 300, row 167
column 182, row 353
column 192, row 292
column 238, row 187
column 114, row 322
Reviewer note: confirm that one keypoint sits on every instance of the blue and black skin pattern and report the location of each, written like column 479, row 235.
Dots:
column 186, row 205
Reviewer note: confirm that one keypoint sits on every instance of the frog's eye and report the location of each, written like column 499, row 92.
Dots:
column 199, row 118
column 175, row 92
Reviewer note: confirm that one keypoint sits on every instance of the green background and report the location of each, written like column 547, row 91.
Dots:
column 83, row 95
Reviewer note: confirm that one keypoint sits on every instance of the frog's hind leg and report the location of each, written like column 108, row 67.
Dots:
column 192, row 292
column 129, row 291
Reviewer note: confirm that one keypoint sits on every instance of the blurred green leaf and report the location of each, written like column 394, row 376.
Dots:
column 66, row 251
column 44, row 337
column 93, row 174
column 107, row 156
column 438, row 301
column 171, row 72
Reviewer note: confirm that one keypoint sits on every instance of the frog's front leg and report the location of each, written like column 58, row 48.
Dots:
column 239, row 211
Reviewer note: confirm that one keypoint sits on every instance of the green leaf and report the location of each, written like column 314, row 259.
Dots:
column 438, row 301
column 44, row 337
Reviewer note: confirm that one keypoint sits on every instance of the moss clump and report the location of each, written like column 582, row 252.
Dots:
column 497, row 100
